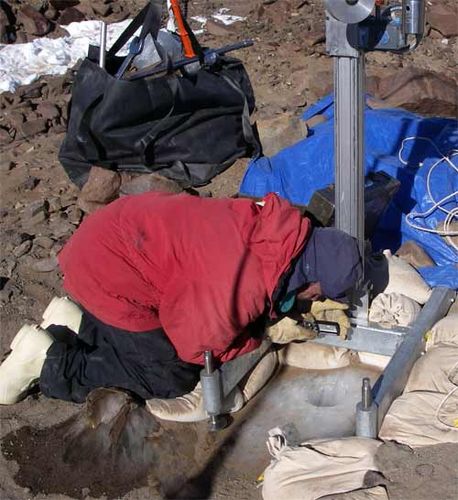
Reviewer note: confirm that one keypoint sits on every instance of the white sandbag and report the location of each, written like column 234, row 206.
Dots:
column 259, row 376
column 375, row 493
column 434, row 370
column 316, row 468
column 392, row 309
column 444, row 331
column 310, row 356
column 404, row 279
column 421, row 419
column 378, row 361
column 190, row 407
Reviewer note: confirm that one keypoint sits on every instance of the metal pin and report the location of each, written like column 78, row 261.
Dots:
column 103, row 44
column 366, row 399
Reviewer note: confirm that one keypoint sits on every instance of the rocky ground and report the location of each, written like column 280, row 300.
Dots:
column 40, row 208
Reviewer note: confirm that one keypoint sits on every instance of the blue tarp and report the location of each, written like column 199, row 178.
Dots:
column 296, row 172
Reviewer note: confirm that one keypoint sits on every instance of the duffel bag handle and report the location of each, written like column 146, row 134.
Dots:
column 149, row 18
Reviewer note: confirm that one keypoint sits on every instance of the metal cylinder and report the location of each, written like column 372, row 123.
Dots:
column 103, row 44
column 366, row 396
column 211, row 386
column 413, row 17
column 366, row 421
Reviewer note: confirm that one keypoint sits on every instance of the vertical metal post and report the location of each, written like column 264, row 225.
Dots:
column 103, row 44
column 349, row 145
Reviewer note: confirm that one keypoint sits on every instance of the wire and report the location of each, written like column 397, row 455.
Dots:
column 437, row 205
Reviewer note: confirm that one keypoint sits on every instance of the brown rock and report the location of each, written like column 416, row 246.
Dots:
column 33, row 127
column 443, row 18
column 43, row 242
column 45, row 265
column 420, row 91
column 149, row 182
column 217, row 28
column 414, row 254
column 315, row 36
column 4, row 26
column 34, row 221
column 48, row 110
column 22, row 249
column 33, row 21
column 74, row 214
column 63, row 4
column 101, row 188
column 279, row 132
column 31, row 91
column 71, row 15
column 315, row 120
column 5, row 137
column 36, row 207
column 101, row 8
column 60, row 228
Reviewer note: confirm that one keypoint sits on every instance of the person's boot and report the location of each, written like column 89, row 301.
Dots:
column 64, row 312
column 22, row 368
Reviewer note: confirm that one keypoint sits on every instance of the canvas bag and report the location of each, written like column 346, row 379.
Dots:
column 187, row 127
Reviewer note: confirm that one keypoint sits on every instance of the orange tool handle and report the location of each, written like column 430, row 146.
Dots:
column 184, row 36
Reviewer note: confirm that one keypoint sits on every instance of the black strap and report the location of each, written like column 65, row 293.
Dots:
column 149, row 18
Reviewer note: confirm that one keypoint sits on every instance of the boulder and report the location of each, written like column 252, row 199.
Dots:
column 418, row 90
column 33, row 21
column 414, row 254
column 71, row 15
column 443, row 18
column 149, row 182
column 33, row 127
column 101, row 187
column 279, row 132
column 48, row 110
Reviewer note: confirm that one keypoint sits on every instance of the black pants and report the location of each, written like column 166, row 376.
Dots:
column 104, row 356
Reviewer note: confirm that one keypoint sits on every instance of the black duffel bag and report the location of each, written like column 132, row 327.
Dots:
column 187, row 127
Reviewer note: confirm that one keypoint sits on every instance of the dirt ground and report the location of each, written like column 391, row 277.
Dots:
column 53, row 449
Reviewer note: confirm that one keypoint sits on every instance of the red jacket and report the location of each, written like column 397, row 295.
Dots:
column 200, row 268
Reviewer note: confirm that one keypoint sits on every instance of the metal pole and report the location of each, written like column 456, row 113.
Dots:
column 103, row 44
column 349, row 145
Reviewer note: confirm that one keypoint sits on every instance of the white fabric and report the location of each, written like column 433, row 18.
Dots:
column 435, row 370
column 391, row 309
column 375, row 493
column 376, row 360
column 190, row 407
column 422, row 418
column 404, row 279
column 316, row 468
column 310, row 356
column 444, row 331
column 259, row 376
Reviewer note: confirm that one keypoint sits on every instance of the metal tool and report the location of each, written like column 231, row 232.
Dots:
column 210, row 57
column 219, row 383
column 210, row 380
column 321, row 327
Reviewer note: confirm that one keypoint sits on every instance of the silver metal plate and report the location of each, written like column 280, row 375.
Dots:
column 348, row 12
